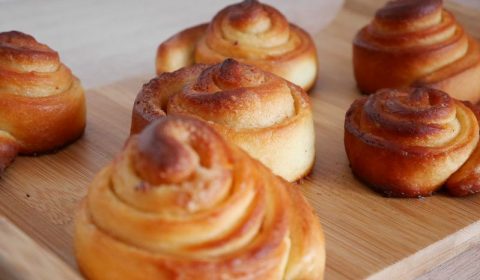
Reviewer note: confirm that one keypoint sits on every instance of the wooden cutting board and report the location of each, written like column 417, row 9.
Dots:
column 367, row 235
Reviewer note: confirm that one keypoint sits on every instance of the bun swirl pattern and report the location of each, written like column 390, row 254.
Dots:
column 179, row 202
column 265, row 115
column 417, row 43
column 250, row 32
column 42, row 106
column 408, row 143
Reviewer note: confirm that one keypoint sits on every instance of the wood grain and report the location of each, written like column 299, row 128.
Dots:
column 22, row 258
column 367, row 235
column 465, row 266
column 470, row 3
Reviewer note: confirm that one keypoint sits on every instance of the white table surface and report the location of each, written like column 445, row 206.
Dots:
column 105, row 41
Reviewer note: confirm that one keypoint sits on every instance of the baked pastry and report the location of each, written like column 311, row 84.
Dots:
column 262, row 113
column 409, row 143
column 179, row 202
column 42, row 106
column 417, row 43
column 250, row 32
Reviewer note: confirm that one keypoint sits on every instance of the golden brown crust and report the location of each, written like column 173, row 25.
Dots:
column 265, row 115
column 466, row 180
column 420, row 44
column 8, row 150
column 213, row 213
column 407, row 9
column 179, row 50
column 250, row 32
column 42, row 106
column 407, row 143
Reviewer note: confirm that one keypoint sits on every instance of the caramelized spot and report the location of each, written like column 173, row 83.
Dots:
column 250, row 17
column 414, row 112
column 407, row 9
column 22, row 41
column 232, row 74
column 142, row 187
column 236, row 95
column 21, row 53
column 172, row 149
column 161, row 156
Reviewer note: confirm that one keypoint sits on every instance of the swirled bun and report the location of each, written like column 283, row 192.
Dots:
column 42, row 105
column 180, row 202
column 417, row 43
column 262, row 113
column 409, row 143
column 250, row 32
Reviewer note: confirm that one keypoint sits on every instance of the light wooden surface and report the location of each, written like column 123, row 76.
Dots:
column 367, row 235
column 22, row 258
column 470, row 3
column 462, row 267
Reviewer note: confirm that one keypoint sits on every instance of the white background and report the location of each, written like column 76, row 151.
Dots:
column 105, row 41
